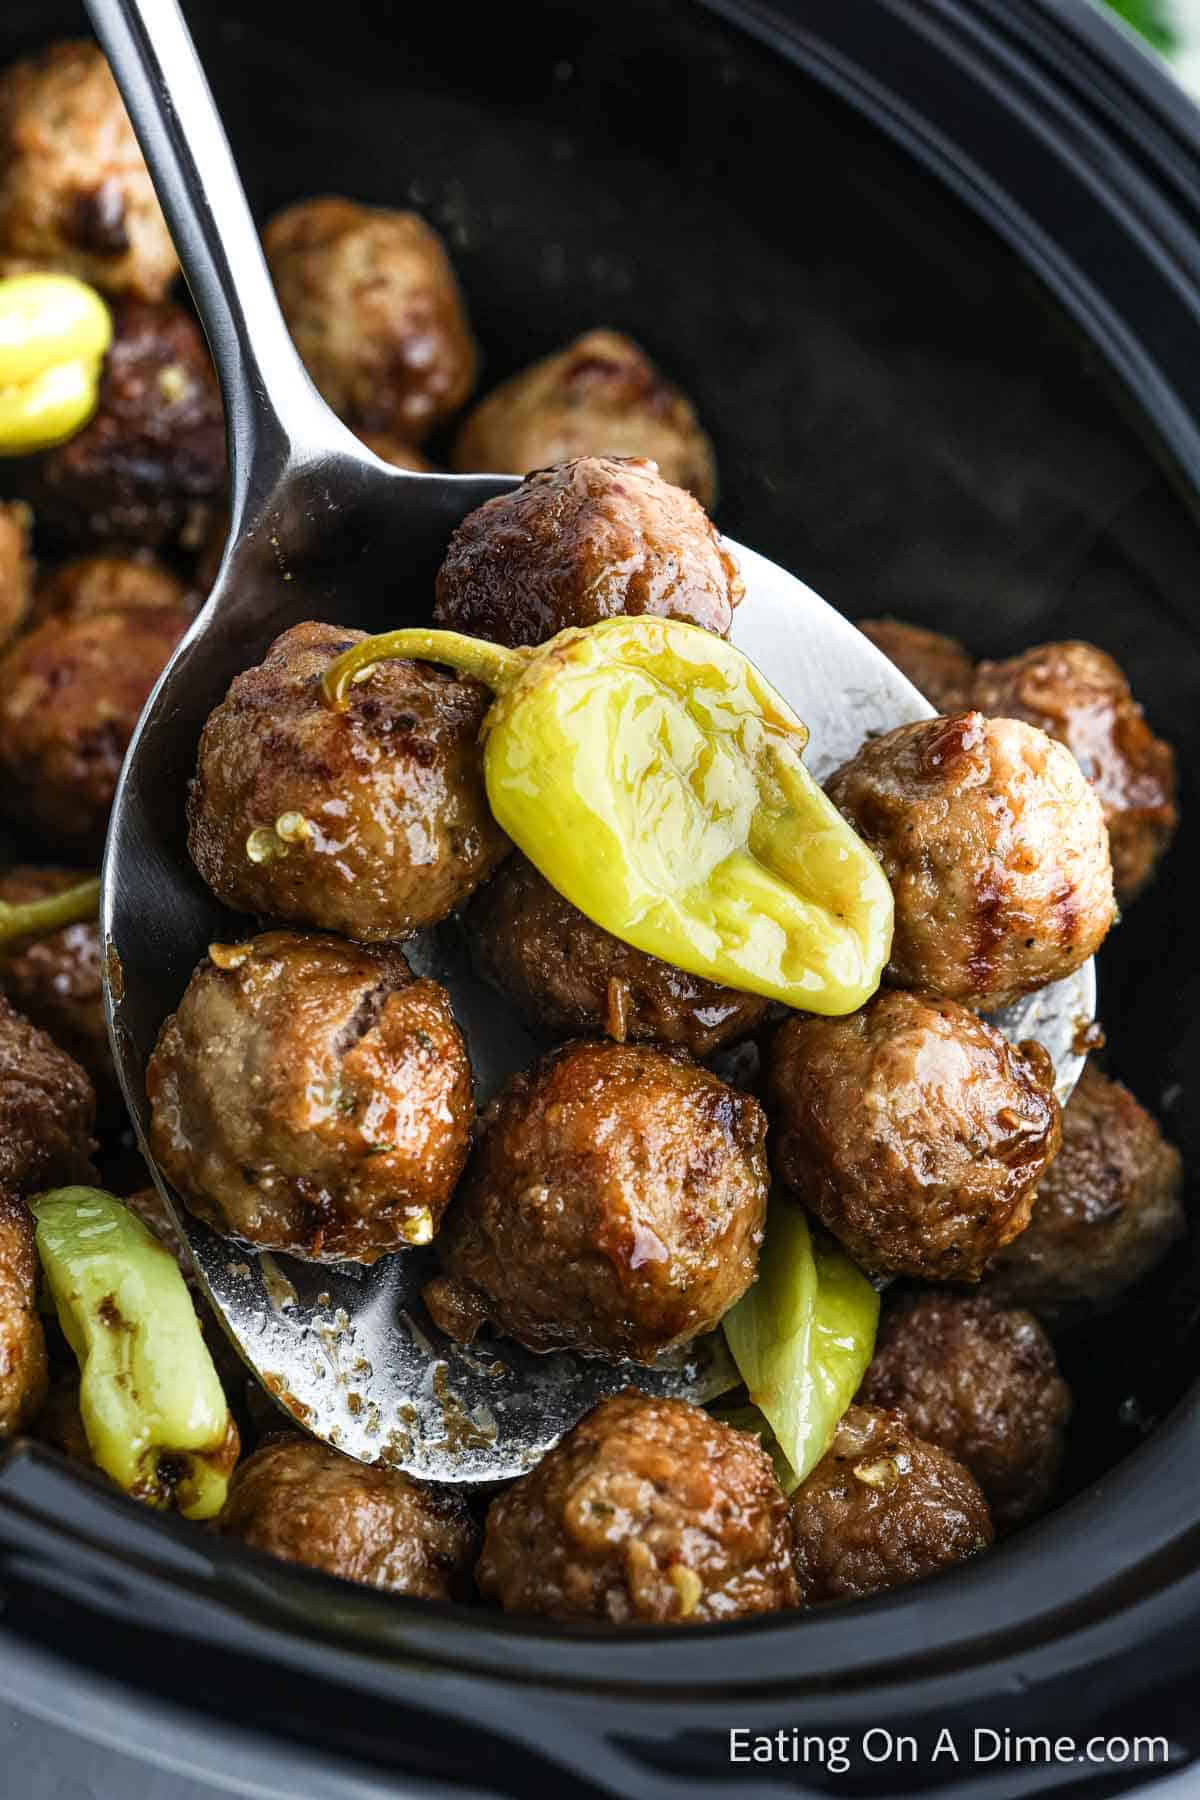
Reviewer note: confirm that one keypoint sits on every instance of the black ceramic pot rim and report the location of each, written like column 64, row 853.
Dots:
column 1017, row 86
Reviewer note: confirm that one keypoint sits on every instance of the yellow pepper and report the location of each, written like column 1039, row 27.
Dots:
column 38, row 918
column 154, row 1411
column 54, row 331
column 801, row 1337
column 655, row 779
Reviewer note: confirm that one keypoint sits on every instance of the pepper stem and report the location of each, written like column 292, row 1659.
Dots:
column 493, row 664
column 38, row 918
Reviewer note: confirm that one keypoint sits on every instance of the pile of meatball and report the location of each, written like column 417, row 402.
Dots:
column 311, row 1094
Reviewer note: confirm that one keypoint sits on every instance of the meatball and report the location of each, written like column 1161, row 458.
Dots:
column 149, row 467
column 996, row 851
column 71, row 691
column 938, row 666
column 614, row 1205
column 1079, row 695
column 313, row 1096
column 108, row 581
column 56, row 981
column 648, row 1512
column 392, row 450
column 1106, row 1211
column 981, row 1383
column 584, row 541
column 600, row 396
column 913, row 1130
column 75, row 194
column 571, row 978
column 376, row 313
column 24, row 1374
column 16, row 567
column 47, row 1110
column 882, row 1508
column 306, row 1502
column 60, row 1422
column 372, row 821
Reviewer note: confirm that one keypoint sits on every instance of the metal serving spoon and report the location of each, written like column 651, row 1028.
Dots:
column 321, row 529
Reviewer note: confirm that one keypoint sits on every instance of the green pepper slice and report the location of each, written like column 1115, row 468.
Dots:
column 802, row 1337
column 656, row 780
column 153, row 1407
column 39, row 918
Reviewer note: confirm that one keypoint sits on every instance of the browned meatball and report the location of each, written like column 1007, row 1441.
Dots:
column 913, row 1130
column 47, row 1110
column 996, row 851
column 60, row 1422
column 393, row 450
column 71, row 692
column 600, row 396
column 75, row 194
column 108, row 581
column 1108, row 1208
column 16, row 567
column 372, row 821
column 312, row 1095
column 614, row 1204
column 981, row 1382
column 584, row 541
column 377, row 315
column 306, row 1502
column 24, row 1375
column 882, row 1508
column 571, row 978
column 938, row 666
column 149, row 467
column 1079, row 695
column 649, row 1512
column 56, row 981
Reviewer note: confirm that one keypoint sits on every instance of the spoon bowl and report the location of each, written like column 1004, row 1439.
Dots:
column 321, row 529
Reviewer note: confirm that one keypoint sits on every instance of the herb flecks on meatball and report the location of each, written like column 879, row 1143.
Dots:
column 71, row 691
column 913, row 1130
column 24, row 1376
column 982, row 1382
column 938, row 666
column 75, row 194
column 148, row 469
column 1079, row 695
column 569, row 977
column 376, row 313
column 599, row 396
column 614, row 1204
column 591, row 539
column 881, row 1509
column 996, row 851
column 304, row 1501
column 1105, row 1213
column 648, row 1512
column 370, row 821
column 313, row 1096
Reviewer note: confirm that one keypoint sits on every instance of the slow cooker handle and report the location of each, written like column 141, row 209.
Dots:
column 274, row 415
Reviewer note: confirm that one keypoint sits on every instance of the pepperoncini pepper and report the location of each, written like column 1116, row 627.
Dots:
column 653, row 776
column 38, row 918
column 154, row 1412
column 54, row 331
column 802, row 1338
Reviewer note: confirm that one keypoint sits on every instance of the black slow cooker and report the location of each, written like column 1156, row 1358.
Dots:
column 931, row 269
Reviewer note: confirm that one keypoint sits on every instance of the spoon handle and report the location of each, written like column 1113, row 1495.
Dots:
column 273, row 412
